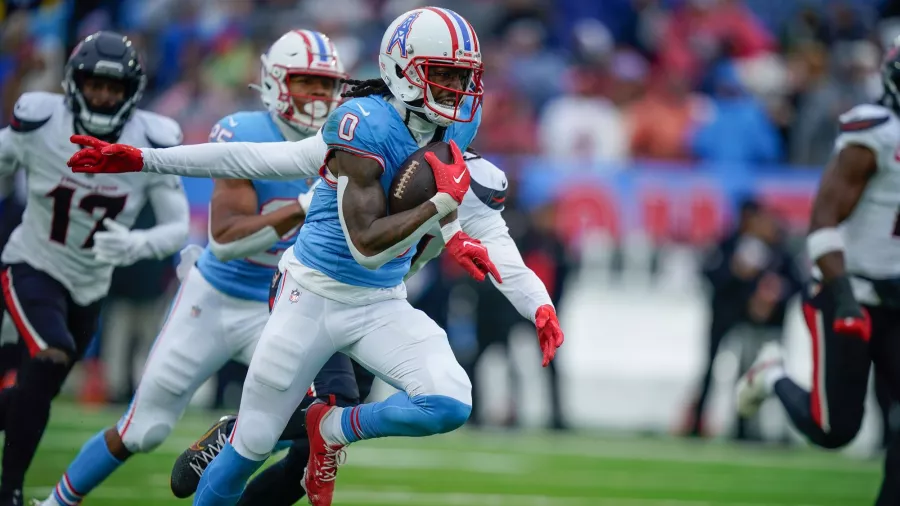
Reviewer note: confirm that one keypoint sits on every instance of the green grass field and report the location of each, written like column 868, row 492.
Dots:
column 505, row 469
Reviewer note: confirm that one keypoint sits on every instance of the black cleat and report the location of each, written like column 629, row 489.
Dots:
column 13, row 498
column 192, row 462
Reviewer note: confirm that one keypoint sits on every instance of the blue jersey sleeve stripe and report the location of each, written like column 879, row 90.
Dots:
column 355, row 151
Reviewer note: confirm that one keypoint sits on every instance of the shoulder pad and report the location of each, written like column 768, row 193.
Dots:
column 246, row 126
column 488, row 182
column 864, row 117
column 34, row 109
column 361, row 125
column 161, row 131
column 471, row 154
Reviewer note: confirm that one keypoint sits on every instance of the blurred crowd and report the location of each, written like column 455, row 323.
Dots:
column 752, row 81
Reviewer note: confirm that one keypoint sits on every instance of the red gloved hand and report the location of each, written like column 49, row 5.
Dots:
column 856, row 325
column 452, row 179
column 849, row 317
column 472, row 256
column 101, row 157
column 550, row 336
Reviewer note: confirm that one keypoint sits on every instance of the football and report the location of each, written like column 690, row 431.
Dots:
column 414, row 183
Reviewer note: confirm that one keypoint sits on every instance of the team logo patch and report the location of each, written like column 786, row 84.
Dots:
column 398, row 38
column 295, row 296
column 195, row 311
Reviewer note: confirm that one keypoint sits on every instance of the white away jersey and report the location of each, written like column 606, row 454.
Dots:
column 871, row 234
column 64, row 209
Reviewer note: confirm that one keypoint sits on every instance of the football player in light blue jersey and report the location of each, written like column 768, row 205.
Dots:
column 344, row 290
column 341, row 288
column 222, row 305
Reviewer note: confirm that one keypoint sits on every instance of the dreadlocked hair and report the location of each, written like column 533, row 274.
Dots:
column 365, row 88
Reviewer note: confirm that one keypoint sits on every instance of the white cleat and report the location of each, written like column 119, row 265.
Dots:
column 753, row 387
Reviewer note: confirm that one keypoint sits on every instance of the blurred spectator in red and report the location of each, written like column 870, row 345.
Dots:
column 734, row 126
column 660, row 121
column 584, row 123
column 702, row 31
column 854, row 80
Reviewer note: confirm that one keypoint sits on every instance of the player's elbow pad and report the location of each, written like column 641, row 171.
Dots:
column 255, row 243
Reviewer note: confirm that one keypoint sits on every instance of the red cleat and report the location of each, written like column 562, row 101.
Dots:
column 324, row 459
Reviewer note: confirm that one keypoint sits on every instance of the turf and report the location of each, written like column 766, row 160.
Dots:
column 481, row 468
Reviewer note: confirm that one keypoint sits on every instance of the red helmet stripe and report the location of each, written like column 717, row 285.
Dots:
column 309, row 53
column 454, row 39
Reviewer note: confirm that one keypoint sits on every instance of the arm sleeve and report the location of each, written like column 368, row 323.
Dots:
column 240, row 160
column 170, row 206
column 521, row 286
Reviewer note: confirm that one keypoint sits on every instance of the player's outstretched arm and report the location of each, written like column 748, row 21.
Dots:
column 840, row 189
column 521, row 286
column 374, row 237
column 237, row 230
column 234, row 160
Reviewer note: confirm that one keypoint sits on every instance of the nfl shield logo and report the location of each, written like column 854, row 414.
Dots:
column 295, row 295
column 195, row 311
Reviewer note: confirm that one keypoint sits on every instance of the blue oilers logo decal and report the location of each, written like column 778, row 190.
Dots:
column 398, row 38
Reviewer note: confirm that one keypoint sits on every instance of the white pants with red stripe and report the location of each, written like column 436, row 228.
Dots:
column 204, row 330
column 396, row 342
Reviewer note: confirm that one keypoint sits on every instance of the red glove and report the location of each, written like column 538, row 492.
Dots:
column 550, row 336
column 101, row 157
column 452, row 179
column 860, row 327
column 849, row 317
column 472, row 256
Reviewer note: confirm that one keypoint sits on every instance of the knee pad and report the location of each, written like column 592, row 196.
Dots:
column 144, row 438
column 440, row 414
column 255, row 435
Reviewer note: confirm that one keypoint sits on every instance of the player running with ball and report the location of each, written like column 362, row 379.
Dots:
column 344, row 290
column 341, row 384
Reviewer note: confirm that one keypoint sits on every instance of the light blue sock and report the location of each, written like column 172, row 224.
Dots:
column 402, row 415
column 224, row 480
column 93, row 464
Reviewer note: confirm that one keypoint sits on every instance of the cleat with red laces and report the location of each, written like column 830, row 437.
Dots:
column 324, row 458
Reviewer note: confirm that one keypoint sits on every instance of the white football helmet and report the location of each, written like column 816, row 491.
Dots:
column 432, row 37
column 300, row 52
